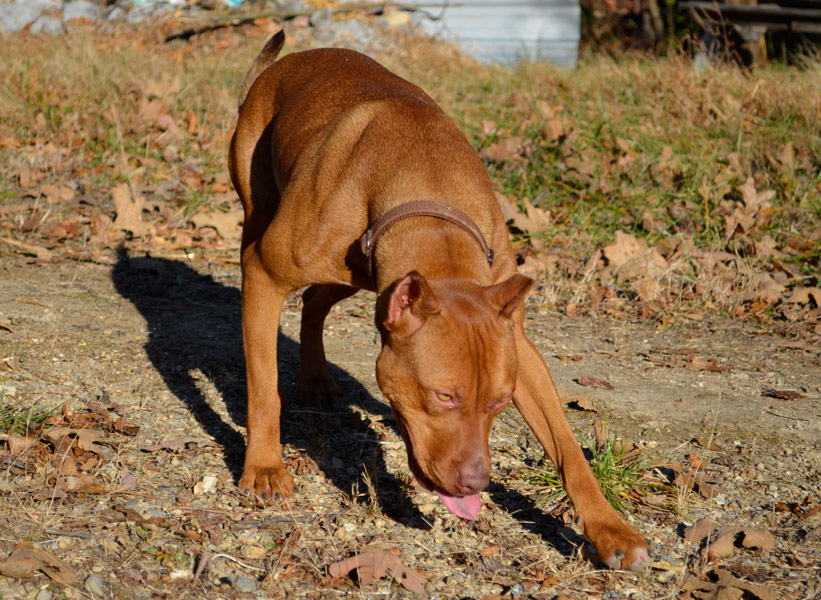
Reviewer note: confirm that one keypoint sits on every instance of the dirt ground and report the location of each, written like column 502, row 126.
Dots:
column 156, row 341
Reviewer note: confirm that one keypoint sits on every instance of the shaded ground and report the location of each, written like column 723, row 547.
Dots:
column 156, row 341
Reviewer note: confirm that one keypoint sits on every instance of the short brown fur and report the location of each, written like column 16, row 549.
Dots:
column 327, row 140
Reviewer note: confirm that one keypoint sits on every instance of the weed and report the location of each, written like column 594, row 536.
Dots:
column 624, row 474
column 20, row 420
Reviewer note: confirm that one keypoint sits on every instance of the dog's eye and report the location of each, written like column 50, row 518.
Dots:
column 443, row 399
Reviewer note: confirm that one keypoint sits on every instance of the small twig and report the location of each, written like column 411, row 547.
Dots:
column 207, row 557
column 83, row 535
column 771, row 412
column 274, row 521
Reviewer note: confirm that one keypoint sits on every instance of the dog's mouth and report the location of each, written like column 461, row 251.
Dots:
column 465, row 507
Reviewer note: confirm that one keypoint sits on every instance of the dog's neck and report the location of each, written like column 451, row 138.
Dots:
column 435, row 248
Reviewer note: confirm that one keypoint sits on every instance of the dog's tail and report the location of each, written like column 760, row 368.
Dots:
column 266, row 58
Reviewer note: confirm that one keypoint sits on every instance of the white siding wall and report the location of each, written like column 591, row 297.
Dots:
column 501, row 31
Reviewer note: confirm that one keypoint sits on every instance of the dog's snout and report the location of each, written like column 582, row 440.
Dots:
column 473, row 475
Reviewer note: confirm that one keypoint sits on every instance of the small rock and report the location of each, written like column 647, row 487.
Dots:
column 322, row 18
column 253, row 552
column 18, row 15
column 46, row 24
column 44, row 594
column 245, row 584
column 208, row 485
column 289, row 5
column 81, row 9
column 94, row 585
column 117, row 14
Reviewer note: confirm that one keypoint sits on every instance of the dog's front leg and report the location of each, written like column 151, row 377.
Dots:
column 262, row 299
column 618, row 544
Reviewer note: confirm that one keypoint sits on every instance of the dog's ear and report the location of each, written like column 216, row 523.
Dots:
column 509, row 294
column 411, row 303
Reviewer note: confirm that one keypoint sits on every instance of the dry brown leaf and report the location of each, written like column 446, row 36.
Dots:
column 769, row 291
column 29, row 177
column 507, row 149
column 164, row 87
column 17, row 443
column 623, row 249
column 594, row 382
column 577, row 400
column 781, row 394
column 700, row 529
column 227, row 224
column 755, row 538
column 787, row 157
column 533, row 220
column 38, row 251
column 86, row 439
column 125, row 427
column 723, row 545
column 728, row 580
column 804, row 295
column 374, row 564
column 25, row 561
column 129, row 211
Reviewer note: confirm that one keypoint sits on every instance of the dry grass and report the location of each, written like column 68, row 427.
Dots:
column 646, row 146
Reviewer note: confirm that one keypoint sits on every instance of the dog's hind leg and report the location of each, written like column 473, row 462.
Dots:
column 262, row 299
column 316, row 385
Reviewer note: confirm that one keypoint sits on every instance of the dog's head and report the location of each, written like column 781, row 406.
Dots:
column 448, row 367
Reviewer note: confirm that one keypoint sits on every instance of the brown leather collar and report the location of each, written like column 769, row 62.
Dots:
column 421, row 208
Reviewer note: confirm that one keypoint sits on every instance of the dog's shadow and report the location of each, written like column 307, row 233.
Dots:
column 194, row 334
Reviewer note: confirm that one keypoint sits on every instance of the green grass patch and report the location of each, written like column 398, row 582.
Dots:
column 625, row 475
column 22, row 420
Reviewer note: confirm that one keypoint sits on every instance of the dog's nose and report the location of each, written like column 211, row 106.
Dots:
column 473, row 475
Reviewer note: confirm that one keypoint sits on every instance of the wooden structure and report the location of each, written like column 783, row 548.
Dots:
column 748, row 22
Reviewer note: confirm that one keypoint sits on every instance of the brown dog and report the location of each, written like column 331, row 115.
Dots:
column 352, row 178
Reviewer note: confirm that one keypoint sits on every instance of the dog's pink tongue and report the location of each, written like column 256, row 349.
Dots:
column 466, row 507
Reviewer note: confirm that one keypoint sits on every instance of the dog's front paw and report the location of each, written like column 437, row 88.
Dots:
column 619, row 546
column 267, row 483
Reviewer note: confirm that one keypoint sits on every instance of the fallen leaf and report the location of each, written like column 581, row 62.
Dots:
column 577, row 400
column 787, row 157
column 164, row 87
column 781, row 394
column 708, row 443
column 129, row 211
column 38, row 251
column 755, row 538
column 125, row 427
column 805, row 295
column 25, row 561
column 507, row 149
column 17, row 443
column 374, row 564
column 227, row 224
column 723, row 545
column 533, row 220
column 29, row 177
column 86, row 439
column 594, row 382
column 699, row 530
column 623, row 248
column 727, row 580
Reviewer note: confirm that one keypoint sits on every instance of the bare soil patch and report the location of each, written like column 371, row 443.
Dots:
column 155, row 344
